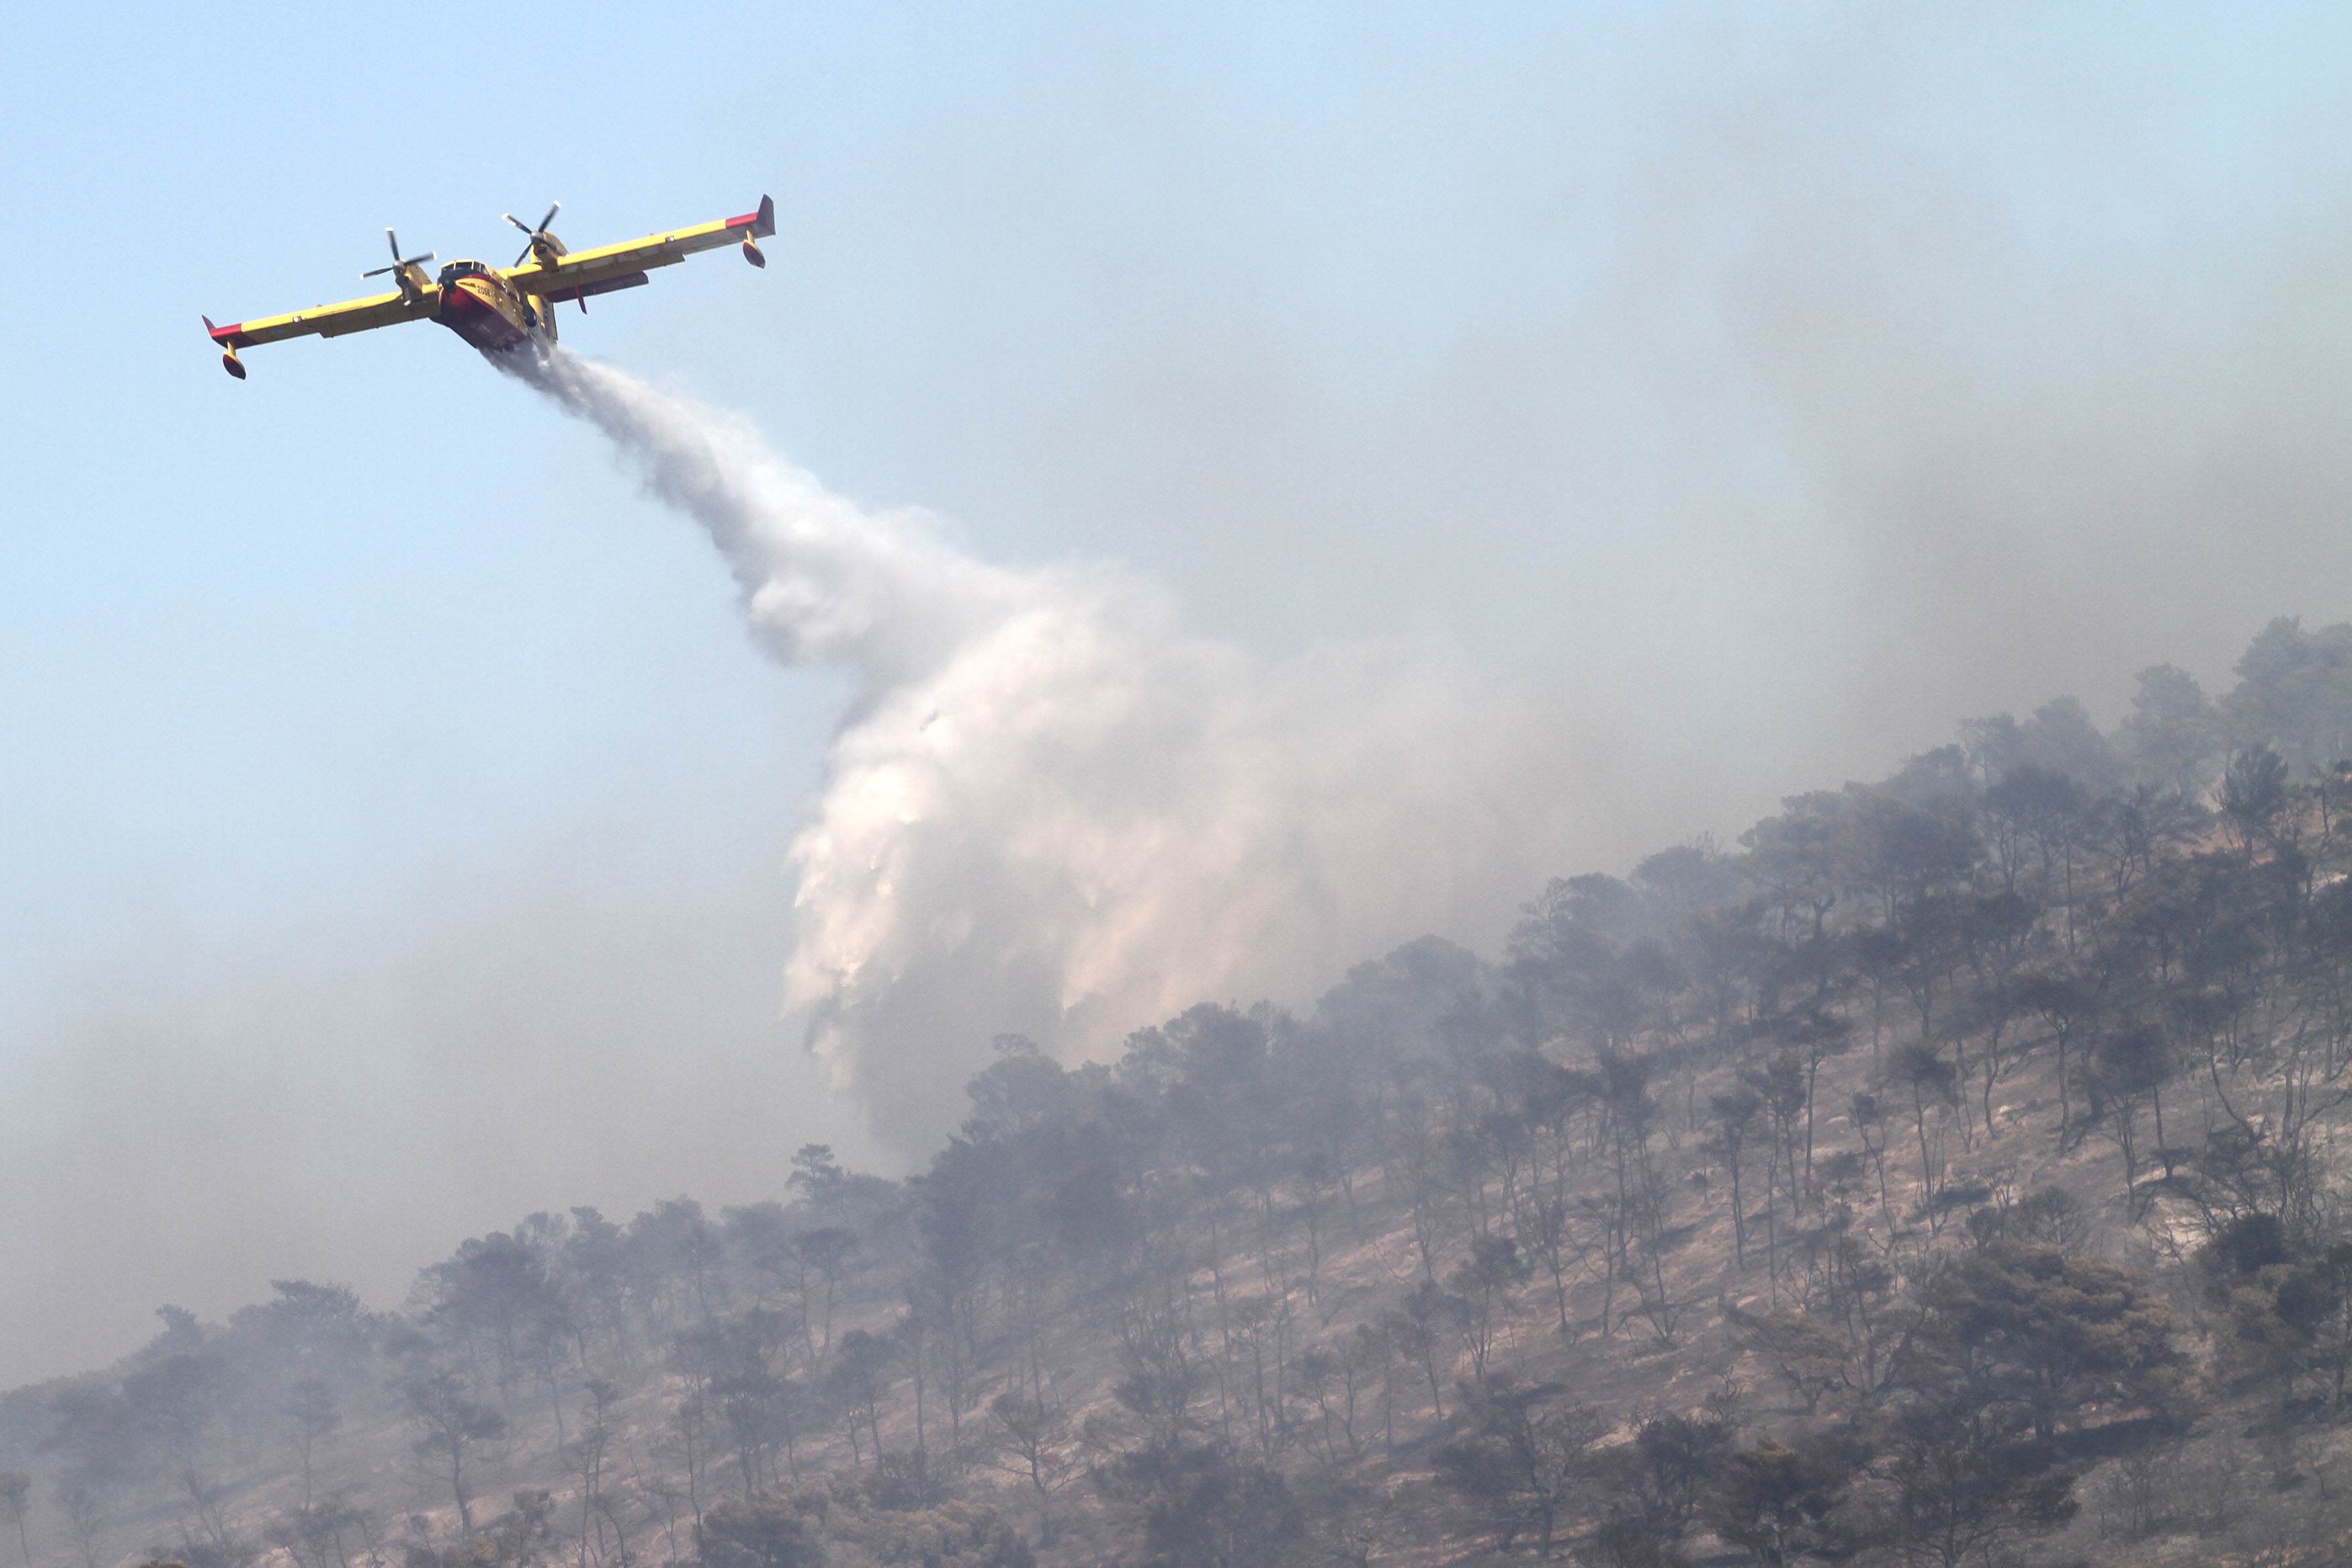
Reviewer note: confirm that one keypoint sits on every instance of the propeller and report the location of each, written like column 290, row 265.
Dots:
column 398, row 260
column 536, row 234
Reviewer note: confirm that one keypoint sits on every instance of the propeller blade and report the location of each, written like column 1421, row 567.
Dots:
column 526, row 253
column 396, row 243
column 552, row 208
column 516, row 221
column 377, row 273
column 419, row 260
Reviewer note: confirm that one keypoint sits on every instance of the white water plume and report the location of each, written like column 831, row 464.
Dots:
column 1050, row 811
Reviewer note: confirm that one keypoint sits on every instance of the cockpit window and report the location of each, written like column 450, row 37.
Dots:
column 462, row 269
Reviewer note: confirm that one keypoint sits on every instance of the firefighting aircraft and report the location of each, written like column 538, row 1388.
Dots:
column 498, row 310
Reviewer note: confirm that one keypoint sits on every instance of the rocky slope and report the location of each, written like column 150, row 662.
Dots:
column 1949, row 1172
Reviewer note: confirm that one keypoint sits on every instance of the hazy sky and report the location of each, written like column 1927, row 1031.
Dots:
column 394, row 810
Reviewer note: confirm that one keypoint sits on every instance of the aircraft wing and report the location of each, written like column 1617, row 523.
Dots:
column 328, row 321
column 584, row 270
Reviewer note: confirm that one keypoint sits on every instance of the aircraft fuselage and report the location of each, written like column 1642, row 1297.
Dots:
column 487, row 311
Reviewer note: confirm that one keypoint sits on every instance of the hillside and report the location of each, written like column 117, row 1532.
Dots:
column 1948, row 1172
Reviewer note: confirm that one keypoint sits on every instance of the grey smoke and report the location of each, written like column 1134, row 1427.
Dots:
column 1776, row 388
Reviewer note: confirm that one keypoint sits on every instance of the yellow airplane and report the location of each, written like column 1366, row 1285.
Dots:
column 498, row 310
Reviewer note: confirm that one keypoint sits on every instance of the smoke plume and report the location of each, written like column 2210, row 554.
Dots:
column 1050, row 810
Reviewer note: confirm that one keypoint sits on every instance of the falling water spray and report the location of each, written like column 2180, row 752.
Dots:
column 1049, row 809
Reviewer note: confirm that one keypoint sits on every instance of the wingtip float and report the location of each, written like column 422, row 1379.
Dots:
column 498, row 310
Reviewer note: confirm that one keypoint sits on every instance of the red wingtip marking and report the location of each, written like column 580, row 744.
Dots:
column 223, row 334
column 762, row 222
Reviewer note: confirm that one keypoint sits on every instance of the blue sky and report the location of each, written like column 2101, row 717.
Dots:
column 392, row 810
